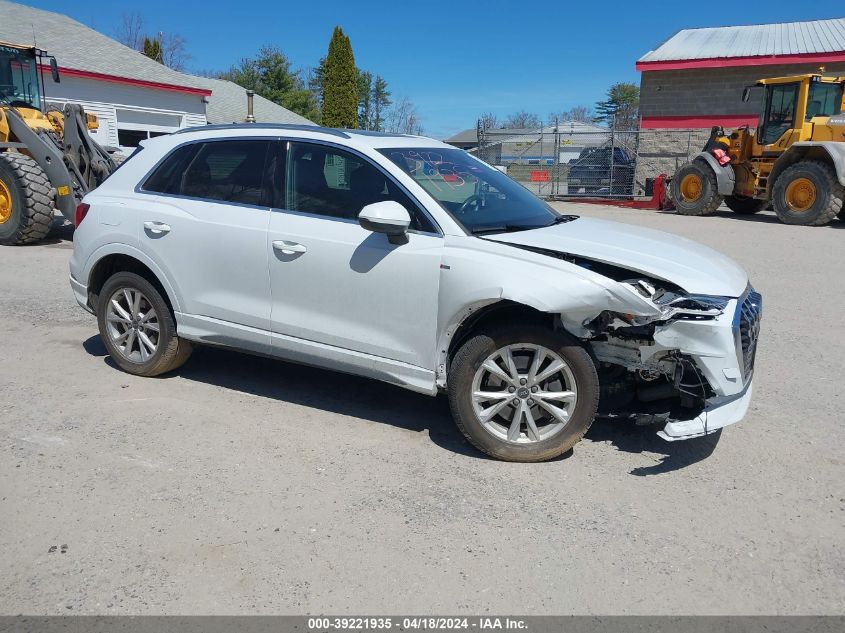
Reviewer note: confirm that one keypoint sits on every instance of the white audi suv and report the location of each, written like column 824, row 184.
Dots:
column 409, row 261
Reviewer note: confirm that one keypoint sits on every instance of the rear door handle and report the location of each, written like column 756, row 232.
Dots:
column 288, row 248
column 157, row 228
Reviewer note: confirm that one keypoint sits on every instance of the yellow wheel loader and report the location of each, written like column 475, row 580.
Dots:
column 48, row 160
column 795, row 161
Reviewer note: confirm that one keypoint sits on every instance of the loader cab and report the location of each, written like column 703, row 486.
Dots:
column 790, row 104
column 21, row 82
column 780, row 111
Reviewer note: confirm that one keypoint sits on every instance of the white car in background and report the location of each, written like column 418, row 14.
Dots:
column 406, row 260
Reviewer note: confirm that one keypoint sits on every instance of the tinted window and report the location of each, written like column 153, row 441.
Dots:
column 326, row 181
column 228, row 171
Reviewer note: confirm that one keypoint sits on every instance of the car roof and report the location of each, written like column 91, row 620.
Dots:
column 352, row 138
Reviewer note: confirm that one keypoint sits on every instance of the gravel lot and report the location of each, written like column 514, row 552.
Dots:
column 245, row 485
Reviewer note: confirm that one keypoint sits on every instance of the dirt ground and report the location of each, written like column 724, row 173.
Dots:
column 245, row 485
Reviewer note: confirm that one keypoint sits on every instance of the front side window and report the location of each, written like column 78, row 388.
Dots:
column 326, row 181
column 225, row 171
column 482, row 199
column 824, row 100
column 780, row 112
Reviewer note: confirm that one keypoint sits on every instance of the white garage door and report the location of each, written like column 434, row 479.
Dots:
column 134, row 126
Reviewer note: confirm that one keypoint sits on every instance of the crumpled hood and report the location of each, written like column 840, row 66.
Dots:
column 695, row 268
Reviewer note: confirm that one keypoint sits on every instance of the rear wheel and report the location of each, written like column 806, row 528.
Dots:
column 26, row 200
column 744, row 205
column 807, row 193
column 523, row 394
column 694, row 189
column 137, row 327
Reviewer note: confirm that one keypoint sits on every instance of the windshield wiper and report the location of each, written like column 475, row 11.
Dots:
column 562, row 219
column 505, row 228
column 511, row 228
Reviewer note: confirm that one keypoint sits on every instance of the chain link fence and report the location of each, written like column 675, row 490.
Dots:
column 574, row 159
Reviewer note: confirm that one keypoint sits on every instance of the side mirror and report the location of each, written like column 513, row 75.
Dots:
column 54, row 70
column 746, row 93
column 388, row 217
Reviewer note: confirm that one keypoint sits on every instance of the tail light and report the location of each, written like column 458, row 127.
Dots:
column 81, row 212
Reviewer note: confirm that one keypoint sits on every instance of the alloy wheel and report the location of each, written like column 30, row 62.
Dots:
column 132, row 325
column 524, row 393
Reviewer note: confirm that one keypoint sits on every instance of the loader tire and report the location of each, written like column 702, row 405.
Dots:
column 26, row 200
column 808, row 194
column 744, row 205
column 694, row 189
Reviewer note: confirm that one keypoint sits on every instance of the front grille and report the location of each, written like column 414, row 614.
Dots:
column 750, row 315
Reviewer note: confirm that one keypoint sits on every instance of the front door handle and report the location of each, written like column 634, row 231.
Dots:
column 288, row 248
column 157, row 228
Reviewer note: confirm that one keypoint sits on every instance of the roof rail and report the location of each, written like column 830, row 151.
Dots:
column 271, row 126
column 375, row 133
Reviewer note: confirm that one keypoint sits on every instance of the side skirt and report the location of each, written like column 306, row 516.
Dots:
column 209, row 331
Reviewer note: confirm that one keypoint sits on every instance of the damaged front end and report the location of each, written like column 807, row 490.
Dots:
column 686, row 365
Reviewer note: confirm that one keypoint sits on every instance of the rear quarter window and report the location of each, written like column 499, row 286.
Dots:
column 225, row 171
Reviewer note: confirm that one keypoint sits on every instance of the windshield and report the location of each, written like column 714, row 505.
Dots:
column 482, row 199
column 824, row 100
column 18, row 78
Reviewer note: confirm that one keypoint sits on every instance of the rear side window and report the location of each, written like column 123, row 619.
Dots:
column 225, row 171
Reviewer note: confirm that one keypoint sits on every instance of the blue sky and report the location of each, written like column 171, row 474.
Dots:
column 455, row 59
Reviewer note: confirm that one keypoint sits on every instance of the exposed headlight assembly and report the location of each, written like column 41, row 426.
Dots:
column 674, row 304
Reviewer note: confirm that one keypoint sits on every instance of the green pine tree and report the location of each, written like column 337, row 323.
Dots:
column 340, row 83
column 270, row 75
column 381, row 100
column 621, row 107
column 365, row 94
column 152, row 49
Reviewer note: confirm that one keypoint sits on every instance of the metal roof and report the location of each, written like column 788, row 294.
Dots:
column 788, row 38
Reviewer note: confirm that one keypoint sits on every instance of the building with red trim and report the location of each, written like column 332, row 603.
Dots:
column 133, row 96
column 695, row 80
column 696, row 77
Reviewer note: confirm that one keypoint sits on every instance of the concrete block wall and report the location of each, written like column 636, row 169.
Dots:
column 712, row 91
column 662, row 151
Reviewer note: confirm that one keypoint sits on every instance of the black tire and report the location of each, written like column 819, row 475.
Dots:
column 171, row 351
column 745, row 206
column 477, row 349
column 829, row 194
column 707, row 201
column 32, row 200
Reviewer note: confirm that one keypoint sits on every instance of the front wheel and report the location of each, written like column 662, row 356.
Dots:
column 694, row 189
column 26, row 200
column 807, row 193
column 523, row 394
column 137, row 327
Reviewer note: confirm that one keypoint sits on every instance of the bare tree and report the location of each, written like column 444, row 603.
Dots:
column 174, row 52
column 523, row 119
column 130, row 31
column 404, row 118
column 581, row 114
column 488, row 121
